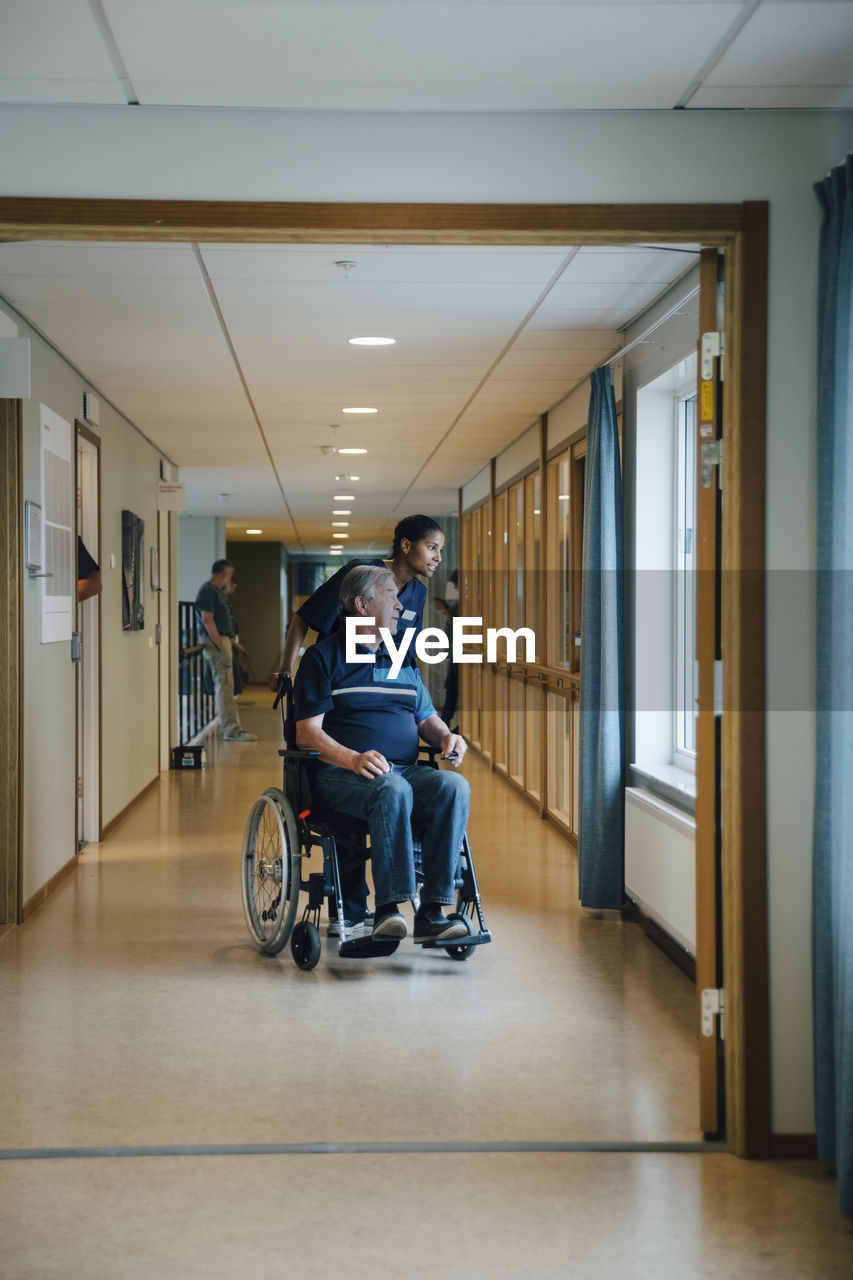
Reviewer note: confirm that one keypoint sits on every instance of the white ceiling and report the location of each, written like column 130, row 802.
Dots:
column 445, row 55
column 234, row 359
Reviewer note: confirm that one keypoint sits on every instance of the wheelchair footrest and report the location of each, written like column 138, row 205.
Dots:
column 473, row 940
column 362, row 948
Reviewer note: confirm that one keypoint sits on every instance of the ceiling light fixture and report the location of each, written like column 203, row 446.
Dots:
column 358, row 410
column 346, row 479
column 254, row 530
column 340, row 524
column 341, row 511
column 344, row 497
column 340, row 535
column 372, row 342
column 352, row 451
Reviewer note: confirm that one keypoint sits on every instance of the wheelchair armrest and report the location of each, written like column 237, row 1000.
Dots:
column 297, row 753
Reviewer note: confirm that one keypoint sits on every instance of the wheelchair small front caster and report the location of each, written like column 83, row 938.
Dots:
column 459, row 950
column 305, row 945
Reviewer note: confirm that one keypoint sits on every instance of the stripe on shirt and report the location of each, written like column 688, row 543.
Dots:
column 374, row 688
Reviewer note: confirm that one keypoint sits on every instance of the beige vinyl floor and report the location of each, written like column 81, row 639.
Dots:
column 175, row 1104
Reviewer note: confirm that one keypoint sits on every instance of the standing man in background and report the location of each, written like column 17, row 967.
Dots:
column 214, row 619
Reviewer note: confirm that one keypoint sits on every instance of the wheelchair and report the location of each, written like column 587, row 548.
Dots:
column 283, row 831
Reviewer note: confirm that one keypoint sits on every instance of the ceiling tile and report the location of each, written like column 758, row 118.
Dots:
column 45, row 40
column 339, row 54
column 809, row 43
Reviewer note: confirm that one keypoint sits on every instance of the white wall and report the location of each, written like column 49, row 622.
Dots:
column 583, row 157
column 129, row 475
column 660, row 864
column 201, row 540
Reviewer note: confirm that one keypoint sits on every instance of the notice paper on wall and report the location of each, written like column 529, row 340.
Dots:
column 58, row 586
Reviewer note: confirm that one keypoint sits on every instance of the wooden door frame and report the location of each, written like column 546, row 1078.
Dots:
column 741, row 231
column 11, row 663
column 84, row 432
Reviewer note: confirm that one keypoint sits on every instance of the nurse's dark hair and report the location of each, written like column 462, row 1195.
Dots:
column 413, row 528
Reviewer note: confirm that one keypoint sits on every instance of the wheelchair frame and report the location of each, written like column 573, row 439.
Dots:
column 283, row 828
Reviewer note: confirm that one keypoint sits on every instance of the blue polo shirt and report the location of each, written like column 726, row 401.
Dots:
column 362, row 707
column 320, row 610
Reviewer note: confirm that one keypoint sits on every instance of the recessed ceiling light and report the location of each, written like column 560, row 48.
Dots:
column 340, row 524
column 346, row 479
column 359, row 410
column 562, row 497
column 373, row 342
column 336, row 551
column 352, row 451
column 254, row 530
column 344, row 497
column 340, row 535
column 341, row 511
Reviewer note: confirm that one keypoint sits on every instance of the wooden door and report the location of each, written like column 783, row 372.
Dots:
column 709, row 950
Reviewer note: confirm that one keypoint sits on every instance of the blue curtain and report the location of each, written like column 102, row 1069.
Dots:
column 601, row 832
column 832, row 902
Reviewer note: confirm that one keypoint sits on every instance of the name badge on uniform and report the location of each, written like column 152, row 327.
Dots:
column 407, row 615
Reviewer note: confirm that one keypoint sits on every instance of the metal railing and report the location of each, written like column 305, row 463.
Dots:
column 196, row 708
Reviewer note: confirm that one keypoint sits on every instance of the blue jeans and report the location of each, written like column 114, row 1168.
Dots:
column 434, row 800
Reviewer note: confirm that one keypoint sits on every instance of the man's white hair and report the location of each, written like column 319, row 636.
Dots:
column 362, row 580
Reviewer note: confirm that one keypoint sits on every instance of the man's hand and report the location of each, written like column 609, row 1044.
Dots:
column 370, row 764
column 453, row 748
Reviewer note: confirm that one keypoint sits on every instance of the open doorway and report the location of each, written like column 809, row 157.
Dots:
column 742, row 231
column 89, row 630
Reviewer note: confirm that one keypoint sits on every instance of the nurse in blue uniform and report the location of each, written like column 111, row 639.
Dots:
column 416, row 553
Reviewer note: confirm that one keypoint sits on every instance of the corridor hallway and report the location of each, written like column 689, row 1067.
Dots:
column 139, row 1022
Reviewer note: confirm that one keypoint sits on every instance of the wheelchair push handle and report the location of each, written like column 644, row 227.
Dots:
column 284, row 684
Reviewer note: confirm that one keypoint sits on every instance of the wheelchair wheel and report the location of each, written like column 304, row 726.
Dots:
column 305, row 944
column 271, row 871
column 458, row 951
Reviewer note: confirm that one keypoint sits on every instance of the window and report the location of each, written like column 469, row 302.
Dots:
column 665, row 668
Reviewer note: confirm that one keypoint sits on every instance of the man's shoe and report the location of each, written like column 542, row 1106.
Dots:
column 390, row 925
column 242, row 736
column 364, row 927
column 431, row 925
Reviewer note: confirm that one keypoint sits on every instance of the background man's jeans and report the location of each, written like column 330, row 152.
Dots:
column 436, row 800
column 220, row 665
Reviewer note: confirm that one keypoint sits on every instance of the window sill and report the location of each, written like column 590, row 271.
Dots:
column 677, row 786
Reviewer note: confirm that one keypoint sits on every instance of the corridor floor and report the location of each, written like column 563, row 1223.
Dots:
column 176, row 1104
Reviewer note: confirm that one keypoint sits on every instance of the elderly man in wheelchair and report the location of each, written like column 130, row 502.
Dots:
column 351, row 772
column 365, row 726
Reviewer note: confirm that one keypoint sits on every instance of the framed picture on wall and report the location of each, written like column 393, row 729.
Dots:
column 133, row 572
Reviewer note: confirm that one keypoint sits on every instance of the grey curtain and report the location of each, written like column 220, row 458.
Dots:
column 601, row 833
column 832, row 903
